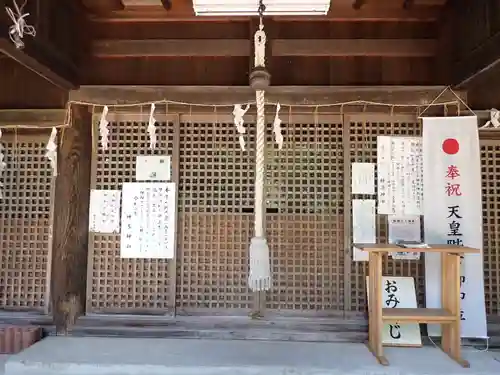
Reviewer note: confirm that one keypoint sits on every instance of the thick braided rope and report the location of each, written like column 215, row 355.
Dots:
column 259, row 164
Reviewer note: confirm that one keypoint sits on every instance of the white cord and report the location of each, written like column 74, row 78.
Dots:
column 20, row 28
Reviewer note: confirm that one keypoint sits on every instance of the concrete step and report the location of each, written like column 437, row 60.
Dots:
column 120, row 356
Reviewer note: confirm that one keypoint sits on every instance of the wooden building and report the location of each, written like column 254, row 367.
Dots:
column 122, row 51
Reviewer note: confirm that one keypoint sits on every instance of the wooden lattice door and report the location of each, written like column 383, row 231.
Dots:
column 25, row 222
column 490, row 172
column 362, row 133
column 129, row 285
column 216, row 214
column 305, row 208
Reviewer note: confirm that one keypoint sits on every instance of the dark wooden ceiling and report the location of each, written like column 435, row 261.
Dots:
column 358, row 43
column 378, row 43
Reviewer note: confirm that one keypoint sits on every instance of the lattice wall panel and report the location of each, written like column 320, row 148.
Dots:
column 363, row 132
column 304, row 192
column 24, row 224
column 490, row 171
column 216, row 220
column 127, row 285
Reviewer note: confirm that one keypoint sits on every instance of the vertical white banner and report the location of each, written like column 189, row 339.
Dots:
column 453, row 213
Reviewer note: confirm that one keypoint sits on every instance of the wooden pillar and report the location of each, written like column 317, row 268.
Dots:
column 71, row 220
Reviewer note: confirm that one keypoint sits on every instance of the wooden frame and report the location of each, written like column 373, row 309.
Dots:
column 448, row 315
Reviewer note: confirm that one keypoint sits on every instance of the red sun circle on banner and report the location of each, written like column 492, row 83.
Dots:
column 451, row 146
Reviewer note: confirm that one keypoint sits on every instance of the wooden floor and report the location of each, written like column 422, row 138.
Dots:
column 224, row 327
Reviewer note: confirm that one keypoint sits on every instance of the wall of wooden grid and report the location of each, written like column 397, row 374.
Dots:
column 305, row 214
column 308, row 216
column 128, row 285
column 25, row 219
column 215, row 208
column 490, row 171
column 362, row 145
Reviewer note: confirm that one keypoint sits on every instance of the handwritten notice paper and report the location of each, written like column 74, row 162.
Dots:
column 148, row 220
column 152, row 168
column 399, row 292
column 104, row 215
column 400, row 175
column 363, row 226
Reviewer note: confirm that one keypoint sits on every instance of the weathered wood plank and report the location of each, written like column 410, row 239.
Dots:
column 38, row 55
column 279, row 47
column 42, row 118
column 171, row 48
column 371, row 12
column 71, row 220
column 354, row 47
column 293, row 95
column 103, row 6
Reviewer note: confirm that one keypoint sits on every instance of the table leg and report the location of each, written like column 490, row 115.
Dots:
column 451, row 301
column 375, row 306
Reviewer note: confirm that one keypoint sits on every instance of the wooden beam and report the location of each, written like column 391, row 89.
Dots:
column 38, row 56
column 171, row 48
column 279, row 47
column 354, row 47
column 71, row 220
column 478, row 63
column 292, row 95
column 103, row 6
column 41, row 118
column 368, row 13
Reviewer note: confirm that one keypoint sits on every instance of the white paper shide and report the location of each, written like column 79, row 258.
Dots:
column 148, row 220
column 153, row 168
column 363, row 226
column 104, row 214
column 399, row 175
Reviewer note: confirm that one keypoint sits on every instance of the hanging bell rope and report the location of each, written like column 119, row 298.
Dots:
column 259, row 278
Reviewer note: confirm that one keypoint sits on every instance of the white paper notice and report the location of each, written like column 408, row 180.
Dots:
column 400, row 175
column 363, row 178
column 104, row 215
column 148, row 220
column 363, row 226
column 399, row 292
column 404, row 228
column 152, row 168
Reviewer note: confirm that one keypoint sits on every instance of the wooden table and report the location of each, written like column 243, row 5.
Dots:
column 448, row 315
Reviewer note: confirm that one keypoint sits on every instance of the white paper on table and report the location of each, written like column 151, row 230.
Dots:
column 363, row 178
column 104, row 211
column 404, row 228
column 363, row 226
